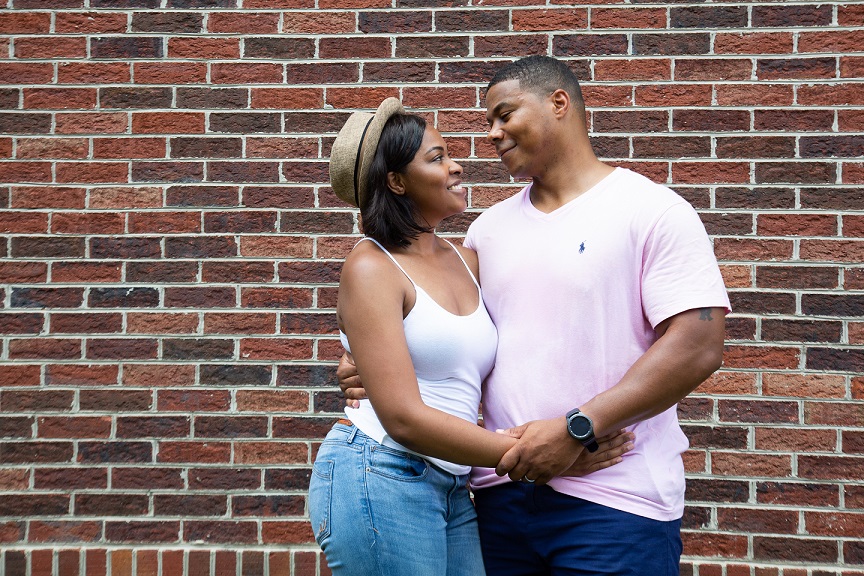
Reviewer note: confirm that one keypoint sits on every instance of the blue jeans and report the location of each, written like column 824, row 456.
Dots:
column 380, row 511
column 530, row 530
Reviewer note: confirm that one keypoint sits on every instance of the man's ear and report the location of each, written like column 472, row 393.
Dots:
column 561, row 102
column 395, row 183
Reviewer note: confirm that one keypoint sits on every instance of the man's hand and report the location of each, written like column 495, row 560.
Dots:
column 545, row 450
column 349, row 381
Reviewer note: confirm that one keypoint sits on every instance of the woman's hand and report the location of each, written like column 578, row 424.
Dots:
column 610, row 452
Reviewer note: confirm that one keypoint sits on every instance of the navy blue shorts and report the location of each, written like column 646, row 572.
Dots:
column 528, row 530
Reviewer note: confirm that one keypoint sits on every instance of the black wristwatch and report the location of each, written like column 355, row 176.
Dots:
column 581, row 428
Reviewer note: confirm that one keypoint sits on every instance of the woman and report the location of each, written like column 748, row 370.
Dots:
column 411, row 313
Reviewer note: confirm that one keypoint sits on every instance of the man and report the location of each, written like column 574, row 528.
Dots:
column 610, row 308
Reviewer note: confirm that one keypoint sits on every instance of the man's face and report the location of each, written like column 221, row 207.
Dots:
column 518, row 124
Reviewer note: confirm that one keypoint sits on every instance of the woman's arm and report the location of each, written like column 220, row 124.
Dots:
column 372, row 293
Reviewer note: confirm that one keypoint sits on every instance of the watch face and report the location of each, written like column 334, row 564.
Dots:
column 580, row 426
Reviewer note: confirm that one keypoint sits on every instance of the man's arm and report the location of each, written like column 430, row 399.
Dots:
column 349, row 381
column 688, row 350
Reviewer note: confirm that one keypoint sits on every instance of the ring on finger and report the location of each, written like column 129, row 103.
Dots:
column 529, row 480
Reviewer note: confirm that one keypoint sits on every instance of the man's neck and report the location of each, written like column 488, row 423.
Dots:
column 567, row 182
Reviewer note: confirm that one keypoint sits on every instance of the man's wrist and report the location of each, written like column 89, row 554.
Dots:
column 581, row 427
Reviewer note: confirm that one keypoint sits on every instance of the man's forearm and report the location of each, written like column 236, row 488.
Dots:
column 689, row 350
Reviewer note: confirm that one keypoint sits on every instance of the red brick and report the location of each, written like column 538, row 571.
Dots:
column 42, row 562
column 831, row 467
column 697, row 69
column 193, row 400
column 15, row 479
column 45, row 348
column 51, row 47
column 170, row 72
column 853, row 173
column 742, row 464
column 147, row 478
column 76, row 323
column 803, row 385
column 87, row 223
column 86, row 272
column 25, row 23
column 89, row 22
column 26, row 73
column 59, row 98
column 245, row 23
column 95, row 562
column 837, row 524
column 789, row 440
column 278, row 147
column 65, row 531
column 168, row 122
column 94, row 72
column 224, row 478
column 164, row 222
column 80, row 427
column 832, row 250
column 755, row 95
column 360, row 47
column 710, row 172
column 119, row 148
column 781, row 224
column 158, row 375
column 25, row 172
column 759, row 521
column 753, row 43
column 161, row 323
column 533, row 20
column 91, row 123
column 286, row 532
column 125, row 197
column 272, row 400
column 271, row 452
column 149, row 531
column 630, row 70
column 796, row 68
column 627, row 18
column 239, row 323
column 839, row 41
column 276, row 348
column 245, row 73
column 23, row 222
column 194, row 47
column 276, row 247
column 777, row 357
column 670, row 95
column 288, row 98
column 65, row 148
column 747, row 249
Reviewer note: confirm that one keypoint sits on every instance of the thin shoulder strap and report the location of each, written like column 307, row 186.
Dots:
column 463, row 262
column 389, row 256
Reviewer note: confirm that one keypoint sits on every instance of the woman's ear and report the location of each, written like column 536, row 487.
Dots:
column 395, row 184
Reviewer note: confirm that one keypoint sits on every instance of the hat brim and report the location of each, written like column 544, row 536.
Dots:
column 354, row 149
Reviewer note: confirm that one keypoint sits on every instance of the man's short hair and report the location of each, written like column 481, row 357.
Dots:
column 541, row 75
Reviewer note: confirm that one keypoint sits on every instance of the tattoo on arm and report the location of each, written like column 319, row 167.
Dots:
column 705, row 314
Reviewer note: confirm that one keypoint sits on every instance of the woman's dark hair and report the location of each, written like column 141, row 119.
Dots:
column 390, row 218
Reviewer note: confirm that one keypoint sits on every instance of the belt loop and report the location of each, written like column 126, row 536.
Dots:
column 353, row 433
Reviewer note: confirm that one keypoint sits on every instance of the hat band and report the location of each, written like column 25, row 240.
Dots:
column 357, row 163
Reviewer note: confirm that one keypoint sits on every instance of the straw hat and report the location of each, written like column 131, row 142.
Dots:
column 354, row 150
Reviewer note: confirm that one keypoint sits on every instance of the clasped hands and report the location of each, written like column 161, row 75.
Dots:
column 544, row 449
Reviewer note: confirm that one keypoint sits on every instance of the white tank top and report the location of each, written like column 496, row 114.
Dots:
column 452, row 355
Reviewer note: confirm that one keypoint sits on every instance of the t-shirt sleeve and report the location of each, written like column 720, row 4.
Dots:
column 679, row 269
column 469, row 241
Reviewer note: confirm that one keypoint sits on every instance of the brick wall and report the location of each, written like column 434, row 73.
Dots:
column 169, row 253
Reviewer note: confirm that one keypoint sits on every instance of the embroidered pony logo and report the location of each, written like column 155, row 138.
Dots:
column 581, row 248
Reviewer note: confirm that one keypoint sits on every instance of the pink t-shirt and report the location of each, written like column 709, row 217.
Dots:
column 575, row 295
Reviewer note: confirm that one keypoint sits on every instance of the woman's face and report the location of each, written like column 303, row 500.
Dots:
column 434, row 180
